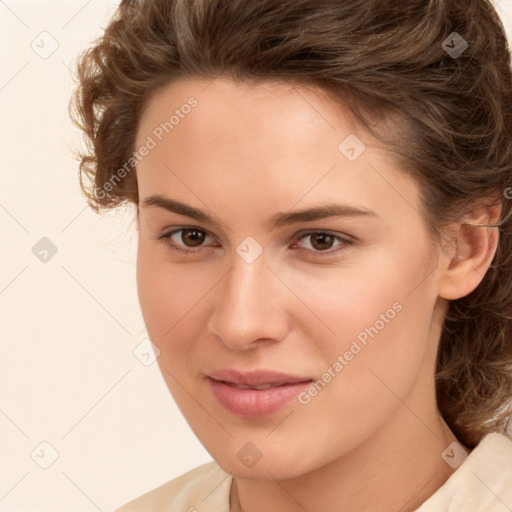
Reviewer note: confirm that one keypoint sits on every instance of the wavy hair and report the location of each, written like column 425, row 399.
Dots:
column 439, row 68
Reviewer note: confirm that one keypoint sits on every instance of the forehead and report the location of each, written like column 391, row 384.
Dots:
column 270, row 105
column 273, row 138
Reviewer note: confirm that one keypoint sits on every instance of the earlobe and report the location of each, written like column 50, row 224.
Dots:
column 474, row 244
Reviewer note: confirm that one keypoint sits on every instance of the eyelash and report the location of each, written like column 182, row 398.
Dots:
column 165, row 239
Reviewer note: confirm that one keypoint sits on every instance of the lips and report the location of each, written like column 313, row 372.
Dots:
column 255, row 394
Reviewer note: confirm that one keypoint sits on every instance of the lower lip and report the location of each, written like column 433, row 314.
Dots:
column 254, row 403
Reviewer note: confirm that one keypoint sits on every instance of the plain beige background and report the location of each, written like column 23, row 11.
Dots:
column 85, row 423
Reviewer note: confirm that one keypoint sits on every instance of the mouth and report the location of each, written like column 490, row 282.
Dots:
column 255, row 394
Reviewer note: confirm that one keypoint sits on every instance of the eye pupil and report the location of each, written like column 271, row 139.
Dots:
column 192, row 235
column 323, row 238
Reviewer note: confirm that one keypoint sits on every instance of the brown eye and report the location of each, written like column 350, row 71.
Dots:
column 185, row 240
column 321, row 241
column 192, row 237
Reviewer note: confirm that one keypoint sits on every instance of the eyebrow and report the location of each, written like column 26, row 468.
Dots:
column 278, row 220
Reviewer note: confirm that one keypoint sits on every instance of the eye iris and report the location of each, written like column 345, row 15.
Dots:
column 193, row 236
column 323, row 238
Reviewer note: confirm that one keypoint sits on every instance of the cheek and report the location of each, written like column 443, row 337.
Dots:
column 342, row 303
column 382, row 322
column 159, row 292
column 170, row 298
column 372, row 317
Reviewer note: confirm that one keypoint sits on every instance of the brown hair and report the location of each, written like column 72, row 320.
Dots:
column 397, row 59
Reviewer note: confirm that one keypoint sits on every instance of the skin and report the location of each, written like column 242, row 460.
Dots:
column 243, row 154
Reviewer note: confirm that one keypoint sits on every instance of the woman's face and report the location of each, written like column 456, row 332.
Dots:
column 343, row 303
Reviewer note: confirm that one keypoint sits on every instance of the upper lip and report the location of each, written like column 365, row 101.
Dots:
column 256, row 377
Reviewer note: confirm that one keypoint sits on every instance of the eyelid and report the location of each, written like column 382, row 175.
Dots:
column 344, row 236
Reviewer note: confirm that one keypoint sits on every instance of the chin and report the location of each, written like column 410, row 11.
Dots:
column 271, row 466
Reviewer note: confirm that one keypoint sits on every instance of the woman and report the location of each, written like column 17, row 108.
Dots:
column 324, row 260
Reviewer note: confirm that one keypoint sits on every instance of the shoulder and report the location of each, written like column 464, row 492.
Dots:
column 203, row 488
column 482, row 482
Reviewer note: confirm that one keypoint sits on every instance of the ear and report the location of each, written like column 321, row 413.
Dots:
column 472, row 246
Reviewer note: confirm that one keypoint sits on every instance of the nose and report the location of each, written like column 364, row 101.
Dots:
column 251, row 306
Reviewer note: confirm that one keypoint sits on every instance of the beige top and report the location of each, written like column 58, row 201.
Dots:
column 482, row 483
